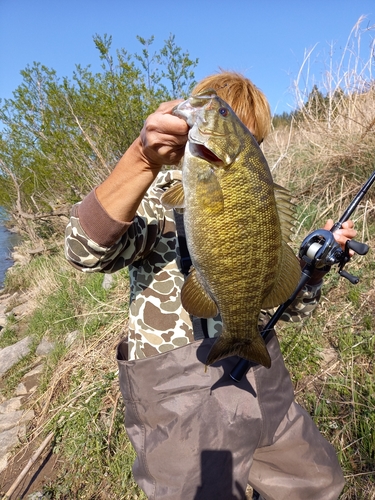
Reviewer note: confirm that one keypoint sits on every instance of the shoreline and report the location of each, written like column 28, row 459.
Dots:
column 10, row 243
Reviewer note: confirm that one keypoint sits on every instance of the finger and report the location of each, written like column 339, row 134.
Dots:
column 328, row 225
column 165, row 123
column 349, row 224
column 346, row 232
column 167, row 107
column 343, row 235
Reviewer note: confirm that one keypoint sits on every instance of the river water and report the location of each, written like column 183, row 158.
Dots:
column 7, row 242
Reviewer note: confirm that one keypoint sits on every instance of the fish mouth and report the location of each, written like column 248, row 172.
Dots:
column 206, row 154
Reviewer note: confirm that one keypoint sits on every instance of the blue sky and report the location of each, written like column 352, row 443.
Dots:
column 266, row 40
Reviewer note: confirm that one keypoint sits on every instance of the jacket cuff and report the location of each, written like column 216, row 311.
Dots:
column 98, row 224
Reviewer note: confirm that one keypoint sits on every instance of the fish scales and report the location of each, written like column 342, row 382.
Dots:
column 241, row 261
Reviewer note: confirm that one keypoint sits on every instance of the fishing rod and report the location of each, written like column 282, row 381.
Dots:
column 319, row 250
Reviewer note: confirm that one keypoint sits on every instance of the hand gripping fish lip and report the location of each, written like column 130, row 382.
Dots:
column 199, row 132
column 197, row 146
column 187, row 112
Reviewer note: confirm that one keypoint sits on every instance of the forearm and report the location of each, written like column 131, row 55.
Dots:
column 96, row 242
column 122, row 192
column 93, row 241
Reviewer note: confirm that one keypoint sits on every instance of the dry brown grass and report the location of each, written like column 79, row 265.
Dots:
column 326, row 155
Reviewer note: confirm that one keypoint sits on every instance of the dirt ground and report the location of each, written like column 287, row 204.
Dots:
column 42, row 472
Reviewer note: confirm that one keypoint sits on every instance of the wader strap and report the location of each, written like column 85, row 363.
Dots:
column 199, row 324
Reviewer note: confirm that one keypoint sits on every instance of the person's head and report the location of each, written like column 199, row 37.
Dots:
column 247, row 101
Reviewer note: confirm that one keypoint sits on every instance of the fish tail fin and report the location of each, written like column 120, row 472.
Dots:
column 250, row 349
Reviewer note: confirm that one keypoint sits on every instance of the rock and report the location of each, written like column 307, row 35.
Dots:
column 36, row 251
column 21, row 389
column 71, row 337
column 3, row 307
column 329, row 354
column 45, row 347
column 13, row 422
column 8, row 440
column 21, row 309
column 7, row 297
column 11, row 405
column 15, row 419
column 29, row 382
column 107, row 281
column 3, row 314
column 10, row 355
column 34, row 372
column 10, row 419
column 3, row 459
column 27, row 416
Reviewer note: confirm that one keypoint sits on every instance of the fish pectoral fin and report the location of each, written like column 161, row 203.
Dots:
column 213, row 198
column 287, row 279
column 196, row 300
column 174, row 197
column 252, row 349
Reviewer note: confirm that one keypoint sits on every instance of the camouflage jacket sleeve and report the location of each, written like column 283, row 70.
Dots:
column 303, row 306
column 96, row 242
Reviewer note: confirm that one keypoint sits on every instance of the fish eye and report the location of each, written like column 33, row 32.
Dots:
column 223, row 111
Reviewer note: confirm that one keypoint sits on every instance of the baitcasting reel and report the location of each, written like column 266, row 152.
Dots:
column 320, row 250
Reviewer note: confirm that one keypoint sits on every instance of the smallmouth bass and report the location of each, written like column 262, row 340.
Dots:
column 237, row 223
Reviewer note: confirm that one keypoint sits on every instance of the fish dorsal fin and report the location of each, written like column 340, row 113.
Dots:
column 174, row 196
column 195, row 299
column 286, row 211
column 287, row 279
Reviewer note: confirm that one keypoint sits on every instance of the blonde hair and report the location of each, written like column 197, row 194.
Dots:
column 247, row 101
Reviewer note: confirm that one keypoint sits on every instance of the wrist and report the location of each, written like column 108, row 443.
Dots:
column 137, row 158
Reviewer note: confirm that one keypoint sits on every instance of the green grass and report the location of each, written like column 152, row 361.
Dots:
column 91, row 441
column 9, row 333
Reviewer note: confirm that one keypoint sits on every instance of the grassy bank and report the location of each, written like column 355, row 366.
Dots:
column 78, row 397
column 330, row 357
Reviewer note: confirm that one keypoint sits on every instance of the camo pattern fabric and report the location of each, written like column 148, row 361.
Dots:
column 157, row 320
